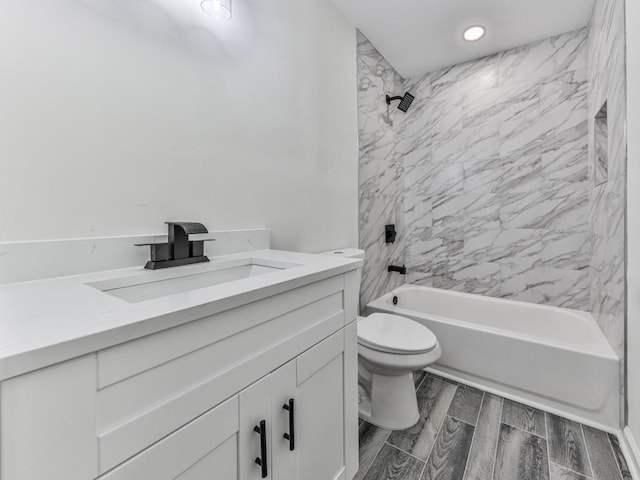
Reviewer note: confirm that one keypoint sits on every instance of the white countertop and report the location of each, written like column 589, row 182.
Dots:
column 45, row 322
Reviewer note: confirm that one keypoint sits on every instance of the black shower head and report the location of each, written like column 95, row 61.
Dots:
column 405, row 102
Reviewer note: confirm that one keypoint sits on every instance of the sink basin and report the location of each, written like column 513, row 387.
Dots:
column 149, row 285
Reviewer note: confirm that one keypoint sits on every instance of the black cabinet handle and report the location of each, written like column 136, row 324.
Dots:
column 262, row 459
column 291, row 436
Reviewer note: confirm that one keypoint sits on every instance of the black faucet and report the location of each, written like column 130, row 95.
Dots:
column 394, row 268
column 179, row 250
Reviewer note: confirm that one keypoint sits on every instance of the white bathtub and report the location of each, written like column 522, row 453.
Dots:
column 551, row 358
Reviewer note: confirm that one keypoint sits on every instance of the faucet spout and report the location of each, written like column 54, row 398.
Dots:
column 179, row 232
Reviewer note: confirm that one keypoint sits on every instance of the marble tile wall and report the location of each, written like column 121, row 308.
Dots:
column 380, row 171
column 496, row 175
column 490, row 176
column 607, row 83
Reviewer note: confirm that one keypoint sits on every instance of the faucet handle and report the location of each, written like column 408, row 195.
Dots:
column 201, row 237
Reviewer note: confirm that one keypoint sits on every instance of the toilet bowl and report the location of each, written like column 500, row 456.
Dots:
column 390, row 349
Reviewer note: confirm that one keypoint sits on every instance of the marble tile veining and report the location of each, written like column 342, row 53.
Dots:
column 606, row 80
column 496, row 164
column 381, row 172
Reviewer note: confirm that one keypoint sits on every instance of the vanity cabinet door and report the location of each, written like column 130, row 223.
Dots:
column 284, row 422
column 255, row 426
column 263, row 402
column 320, row 411
column 305, row 440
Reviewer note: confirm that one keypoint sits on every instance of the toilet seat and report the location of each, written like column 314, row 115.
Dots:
column 389, row 333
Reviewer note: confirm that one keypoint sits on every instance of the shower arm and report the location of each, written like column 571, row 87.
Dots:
column 405, row 101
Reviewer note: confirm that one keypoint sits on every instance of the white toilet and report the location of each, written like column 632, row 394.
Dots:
column 390, row 349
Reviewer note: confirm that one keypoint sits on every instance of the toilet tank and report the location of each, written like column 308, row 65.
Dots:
column 350, row 253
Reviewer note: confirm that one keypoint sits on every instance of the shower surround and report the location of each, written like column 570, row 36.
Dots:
column 607, row 84
column 496, row 175
column 381, row 185
column 493, row 158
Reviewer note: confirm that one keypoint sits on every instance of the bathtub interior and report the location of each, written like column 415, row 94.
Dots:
column 571, row 329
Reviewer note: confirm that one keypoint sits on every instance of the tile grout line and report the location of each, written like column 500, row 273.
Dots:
column 527, row 431
column 479, row 409
column 401, row 450
column 447, row 380
column 615, row 455
column 424, row 467
column 569, row 470
column 460, row 420
column 444, row 418
column 546, row 432
column 422, row 381
column 377, row 452
column 366, row 470
column 473, row 437
column 495, row 454
column 586, row 449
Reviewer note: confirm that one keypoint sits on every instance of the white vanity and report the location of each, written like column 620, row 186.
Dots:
column 241, row 368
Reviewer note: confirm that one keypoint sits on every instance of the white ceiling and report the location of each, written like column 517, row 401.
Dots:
column 419, row 36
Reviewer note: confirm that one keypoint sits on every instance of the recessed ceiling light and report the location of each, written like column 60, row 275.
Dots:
column 218, row 9
column 473, row 34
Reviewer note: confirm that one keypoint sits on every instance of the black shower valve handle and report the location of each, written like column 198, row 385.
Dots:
column 390, row 233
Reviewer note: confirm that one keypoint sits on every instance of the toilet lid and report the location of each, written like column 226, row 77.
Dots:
column 395, row 334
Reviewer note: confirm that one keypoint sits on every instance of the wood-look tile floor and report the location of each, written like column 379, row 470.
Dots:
column 467, row 434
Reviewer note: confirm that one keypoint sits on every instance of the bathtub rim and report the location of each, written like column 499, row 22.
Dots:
column 605, row 349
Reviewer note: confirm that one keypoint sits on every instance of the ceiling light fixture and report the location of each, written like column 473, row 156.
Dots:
column 473, row 34
column 218, row 9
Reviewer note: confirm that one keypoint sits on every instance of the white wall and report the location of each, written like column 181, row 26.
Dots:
column 118, row 115
column 633, row 218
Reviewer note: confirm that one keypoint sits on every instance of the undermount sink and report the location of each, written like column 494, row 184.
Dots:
column 150, row 285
